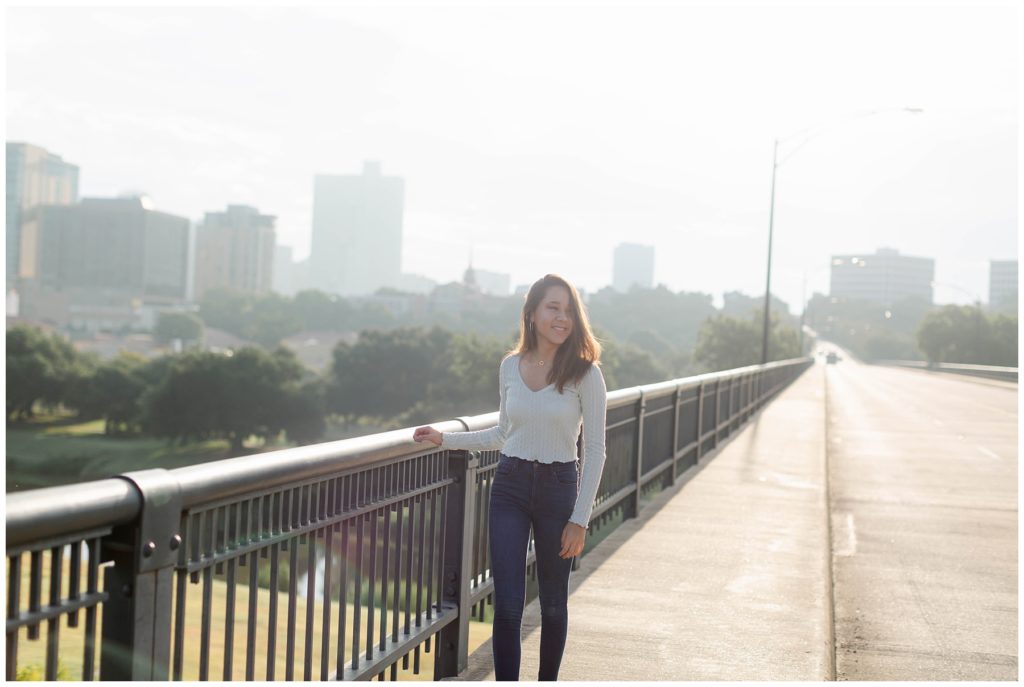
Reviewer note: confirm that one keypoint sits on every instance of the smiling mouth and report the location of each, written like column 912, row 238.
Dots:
column 560, row 329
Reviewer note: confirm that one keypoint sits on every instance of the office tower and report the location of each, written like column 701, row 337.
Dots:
column 235, row 251
column 35, row 177
column 885, row 277
column 103, row 262
column 357, row 231
column 1002, row 285
column 633, row 264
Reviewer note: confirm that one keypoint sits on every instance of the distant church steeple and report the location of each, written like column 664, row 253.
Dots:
column 469, row 276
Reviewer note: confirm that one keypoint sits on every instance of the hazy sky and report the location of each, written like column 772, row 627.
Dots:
column 543, row 134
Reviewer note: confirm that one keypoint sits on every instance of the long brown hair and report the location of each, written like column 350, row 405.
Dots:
column 577, row 353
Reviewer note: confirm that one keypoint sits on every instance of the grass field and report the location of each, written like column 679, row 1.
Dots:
column 55, row 450
column 31, row 654
column 52, row 450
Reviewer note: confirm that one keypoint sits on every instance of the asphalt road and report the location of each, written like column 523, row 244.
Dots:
column 923, row 503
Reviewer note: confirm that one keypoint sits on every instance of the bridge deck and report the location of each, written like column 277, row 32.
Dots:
column 724, row 576
column 740, row 571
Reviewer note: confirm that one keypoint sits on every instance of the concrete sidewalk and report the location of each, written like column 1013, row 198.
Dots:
column 726, row 576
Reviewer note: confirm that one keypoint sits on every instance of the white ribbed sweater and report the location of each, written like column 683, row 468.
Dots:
column 543, row 425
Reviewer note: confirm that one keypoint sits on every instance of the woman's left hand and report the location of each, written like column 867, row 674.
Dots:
column 573, row 537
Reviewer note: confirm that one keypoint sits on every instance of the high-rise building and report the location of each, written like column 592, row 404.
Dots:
column 102, row 260
column 35, row 177
column 885, row 277
column 1002, row 284
column 357, row 231
column 235, row 250
column 633, row 264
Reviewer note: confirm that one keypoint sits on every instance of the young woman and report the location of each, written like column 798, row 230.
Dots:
column 550, row 385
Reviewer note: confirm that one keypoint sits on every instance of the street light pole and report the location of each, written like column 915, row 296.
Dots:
column 771, row 216
column 768, row 279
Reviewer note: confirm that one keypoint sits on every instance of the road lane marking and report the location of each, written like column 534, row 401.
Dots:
column 989, row 453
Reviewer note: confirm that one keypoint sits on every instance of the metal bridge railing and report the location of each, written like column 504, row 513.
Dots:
column 344, row 560
column 991, row 371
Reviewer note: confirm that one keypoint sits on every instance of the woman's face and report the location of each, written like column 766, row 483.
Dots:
column 552, row 319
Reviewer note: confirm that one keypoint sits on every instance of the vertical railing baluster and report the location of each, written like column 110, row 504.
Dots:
column 278, row 523
column 420, row 540
column 53, row 624
column 343, row 598
column 209, row 518
column 293, row 572
column 325, row 622
column 307, row 658
column 372, row 587
column 74, row 580
column 385, row 552
column 408, row 562
column 177, row 656
column 272, row 612
column 92, row 578
column 357, row 611
column 35, row 587
column 400, row 509
column 419, row 567
column 431, row 560
column 484, row 500
column 638, row 449
column 254, row 534
column 674, row 442
column 251, row 621
column 13, row 611
column 700, row 422
column 231, row 531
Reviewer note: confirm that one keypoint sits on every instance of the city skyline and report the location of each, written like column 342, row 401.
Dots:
column 540, row 169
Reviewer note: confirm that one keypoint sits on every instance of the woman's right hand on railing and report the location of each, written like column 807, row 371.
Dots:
column 427, row 434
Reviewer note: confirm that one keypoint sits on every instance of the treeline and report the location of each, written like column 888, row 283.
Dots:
column 662, row 323
column 967, row 334
column 402, row 377
column 913, row 329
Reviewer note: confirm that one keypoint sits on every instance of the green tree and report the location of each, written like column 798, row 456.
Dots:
column 955, row 334
column 113, row 391
column 225, row 309
column 625, row 365
column 725, row 343
column 320, row 311
column 178, row 325
column 384, row 373
column 40, row 368
column 270, row 319
column 209, row 395
column 465, row 378
column 1004, row 344
column 303, row 407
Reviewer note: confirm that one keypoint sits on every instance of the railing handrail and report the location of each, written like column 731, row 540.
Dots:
column 949, row 366
column 38, row 514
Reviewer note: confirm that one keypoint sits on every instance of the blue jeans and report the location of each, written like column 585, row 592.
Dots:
column 529, row 494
